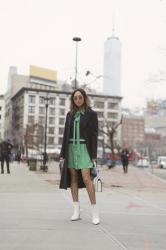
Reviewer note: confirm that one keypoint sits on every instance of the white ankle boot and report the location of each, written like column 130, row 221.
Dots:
column 95, row 215
column 76, row 213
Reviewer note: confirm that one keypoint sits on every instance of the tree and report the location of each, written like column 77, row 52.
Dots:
column 33, row 137
column 110, row 132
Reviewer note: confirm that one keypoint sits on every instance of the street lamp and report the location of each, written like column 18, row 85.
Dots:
column 44, row 167
column 95, row 78
column 76, row 39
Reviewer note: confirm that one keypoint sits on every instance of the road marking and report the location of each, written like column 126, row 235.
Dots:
column 133, row 205
column 147, row 203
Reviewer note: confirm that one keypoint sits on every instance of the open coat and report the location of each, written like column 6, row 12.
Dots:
column 89, row 130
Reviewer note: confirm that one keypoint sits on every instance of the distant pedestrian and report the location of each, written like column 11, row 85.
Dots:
column 45, row 158
column 124, row 158
column 5, row 152
column 18, row 156
column 79, row 151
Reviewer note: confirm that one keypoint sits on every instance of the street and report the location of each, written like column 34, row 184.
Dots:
column 35, row 213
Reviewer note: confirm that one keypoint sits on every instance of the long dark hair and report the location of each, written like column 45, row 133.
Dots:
column 86, row 104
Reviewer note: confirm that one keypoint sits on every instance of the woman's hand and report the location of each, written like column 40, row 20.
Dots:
column 94, row 162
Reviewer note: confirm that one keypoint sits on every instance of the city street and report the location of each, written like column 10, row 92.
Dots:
column 34, row 213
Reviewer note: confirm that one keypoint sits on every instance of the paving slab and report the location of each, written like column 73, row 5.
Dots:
column 34, row 214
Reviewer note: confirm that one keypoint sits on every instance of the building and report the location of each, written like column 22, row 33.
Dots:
column 27, row 113
column 42, row 78
column 2, row 114
column 153, row 143
column 112, row 66
column 155, row 116
column 155, row 120
column 29, row 108
column 133, row 131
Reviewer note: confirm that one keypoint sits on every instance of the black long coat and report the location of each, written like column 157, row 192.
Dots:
column 5, row 150
column 89, row 131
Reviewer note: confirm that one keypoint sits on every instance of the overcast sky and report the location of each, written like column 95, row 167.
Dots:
column 40, row 32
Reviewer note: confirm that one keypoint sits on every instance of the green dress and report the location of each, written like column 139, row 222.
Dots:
column 78, row 154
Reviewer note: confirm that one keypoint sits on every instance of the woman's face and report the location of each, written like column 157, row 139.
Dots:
column 78, row 99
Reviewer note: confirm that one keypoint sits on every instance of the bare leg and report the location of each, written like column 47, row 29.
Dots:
column 124, row 167
column 7, row 164
column 74, row 184
column 89, row 185
column 74, row 192
column 91, row 192
column 2, row 166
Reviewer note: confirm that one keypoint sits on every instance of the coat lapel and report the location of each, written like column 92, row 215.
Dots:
column 84, row 119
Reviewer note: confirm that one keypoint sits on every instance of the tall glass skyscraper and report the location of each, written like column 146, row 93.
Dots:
column 112, row 66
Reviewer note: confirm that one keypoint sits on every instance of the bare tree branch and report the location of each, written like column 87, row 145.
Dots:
column 110, row 134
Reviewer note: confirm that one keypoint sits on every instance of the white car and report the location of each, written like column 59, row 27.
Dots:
column 161, row 161
column 143, row 163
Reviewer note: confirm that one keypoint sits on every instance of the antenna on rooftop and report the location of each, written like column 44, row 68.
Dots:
column 113, row 19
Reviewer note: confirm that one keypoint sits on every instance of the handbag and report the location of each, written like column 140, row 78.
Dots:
column 96, row 178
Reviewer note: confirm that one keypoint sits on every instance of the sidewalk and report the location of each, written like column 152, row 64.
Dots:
column 140, row 179
column 35, row 213
column 137, row 179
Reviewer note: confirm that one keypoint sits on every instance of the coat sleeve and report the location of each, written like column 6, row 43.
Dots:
column 62, row 153
column 94, row 134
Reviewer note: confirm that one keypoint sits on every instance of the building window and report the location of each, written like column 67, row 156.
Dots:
column 112, row 115
column 52, row 111
column 99, row 105
column 61, row 121
column 0, row 117
column 100, row 144
column 62, row 112
column 31, row 99
column 112, row 105
column 51, row 130
column 101, row 134
column 31, row 109
column 62, row 101
column 42, row 110
column 41, row 120
column 50, row 140
column 60, row 140
column 0, row 108
column 30, row 119
column 61, row 130
column 111, row 124
column 51, row 120
column 100, row 114
column 52, row 101
column 41, row 100
column 101, row 124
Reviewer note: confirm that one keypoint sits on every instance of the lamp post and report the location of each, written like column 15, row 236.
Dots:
column 76, row 39
column 95, row 78
column 44, row 167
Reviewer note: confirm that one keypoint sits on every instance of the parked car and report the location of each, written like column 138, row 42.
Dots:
column 161, row 161
column 143, row 163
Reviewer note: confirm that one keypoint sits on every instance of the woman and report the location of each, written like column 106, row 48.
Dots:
column 79, row 151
